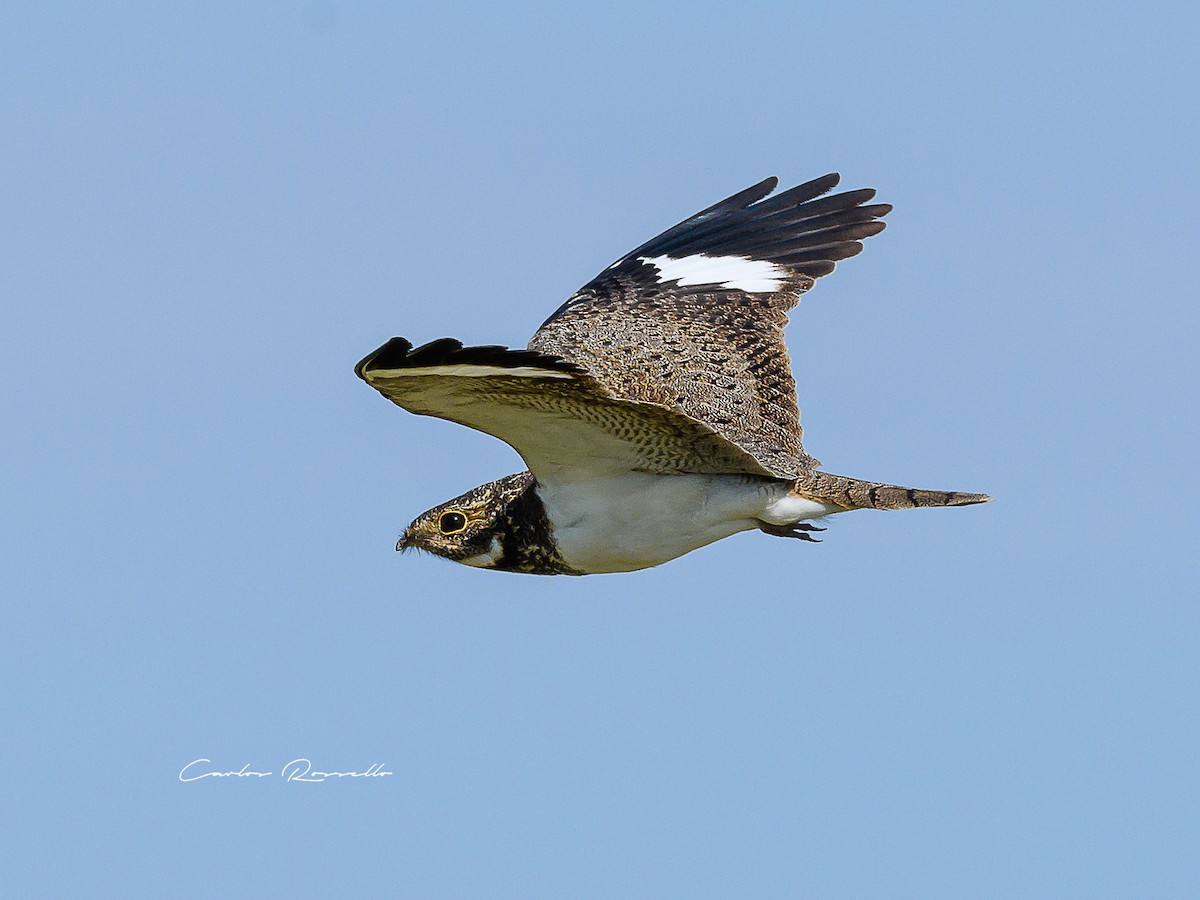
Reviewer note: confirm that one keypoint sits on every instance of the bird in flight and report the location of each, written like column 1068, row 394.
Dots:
column 656, row 408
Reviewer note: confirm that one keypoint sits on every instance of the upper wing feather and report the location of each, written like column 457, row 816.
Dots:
column 693, row 319
column 563, row 422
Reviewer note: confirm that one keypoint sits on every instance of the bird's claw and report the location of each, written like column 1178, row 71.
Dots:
column 799, row 530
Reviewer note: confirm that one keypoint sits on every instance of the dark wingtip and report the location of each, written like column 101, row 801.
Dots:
column 394, row 351
column 816, row 268
column 740, row 200
column 842, row 250
column 825, row 183
column 398, row 353
column 806, row 192
column 864, row 230
column 431, row 353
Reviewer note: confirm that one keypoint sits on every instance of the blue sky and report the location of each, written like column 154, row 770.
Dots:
column 209, row 214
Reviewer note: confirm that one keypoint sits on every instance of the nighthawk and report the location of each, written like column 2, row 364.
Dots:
column 656, row 408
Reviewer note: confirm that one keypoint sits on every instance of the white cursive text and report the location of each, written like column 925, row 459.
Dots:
column 296, row 770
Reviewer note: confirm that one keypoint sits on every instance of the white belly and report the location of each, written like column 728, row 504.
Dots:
column 634, row 520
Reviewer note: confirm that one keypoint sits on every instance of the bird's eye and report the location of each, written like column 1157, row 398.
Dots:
column 452, row 522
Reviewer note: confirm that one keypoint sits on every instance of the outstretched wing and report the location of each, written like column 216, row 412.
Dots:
column 564, row 423
column 694, row 318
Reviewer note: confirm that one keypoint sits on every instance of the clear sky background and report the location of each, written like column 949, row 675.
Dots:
column 209, row 212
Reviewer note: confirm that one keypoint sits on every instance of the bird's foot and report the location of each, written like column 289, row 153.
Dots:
column 799, row 530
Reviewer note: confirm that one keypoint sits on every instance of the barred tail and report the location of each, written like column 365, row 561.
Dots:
column 851, row 493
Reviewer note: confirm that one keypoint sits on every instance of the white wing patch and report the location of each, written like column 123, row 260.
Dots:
column 739, row 273
column 468, row 371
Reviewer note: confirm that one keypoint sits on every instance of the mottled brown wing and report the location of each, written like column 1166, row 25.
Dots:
column 694, row 318
column 565, row 424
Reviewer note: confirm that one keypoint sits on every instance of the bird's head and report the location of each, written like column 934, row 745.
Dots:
column 469, row 529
